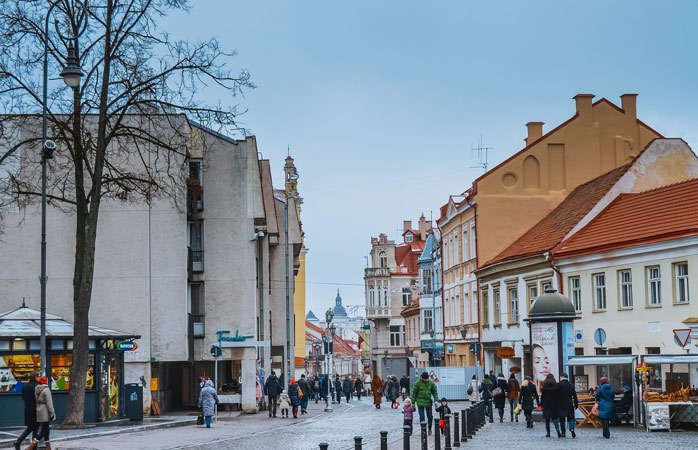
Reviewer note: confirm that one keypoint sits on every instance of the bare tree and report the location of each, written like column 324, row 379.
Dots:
column 122, row 134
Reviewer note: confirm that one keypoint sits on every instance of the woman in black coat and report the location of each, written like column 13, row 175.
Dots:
column 501, row 399
column 526, row 397
column 566, row 404
column 550, row 391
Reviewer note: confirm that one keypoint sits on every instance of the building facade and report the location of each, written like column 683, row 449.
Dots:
column 430, row 301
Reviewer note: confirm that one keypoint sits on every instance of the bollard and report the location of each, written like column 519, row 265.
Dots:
column 406, row 437
column 423, row 429
column 384, row 440
column 456, row 431
column 324, row 446
column 357, row 442
column 437, row 434
column 464, row 425
column 447, row 431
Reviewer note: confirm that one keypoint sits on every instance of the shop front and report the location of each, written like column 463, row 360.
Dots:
column 669, row 399
column 20, row 356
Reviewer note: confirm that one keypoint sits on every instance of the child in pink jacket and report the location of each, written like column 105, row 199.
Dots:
column 408, row 411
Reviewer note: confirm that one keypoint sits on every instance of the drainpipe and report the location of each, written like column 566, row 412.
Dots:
column 260, row 272
column 550, row 261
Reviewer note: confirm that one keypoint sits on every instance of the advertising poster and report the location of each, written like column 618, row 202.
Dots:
column 544, row 351
column 567, row 344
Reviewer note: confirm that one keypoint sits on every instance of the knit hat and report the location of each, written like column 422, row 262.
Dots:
column 42, row 380
column 443, row 399
column 604, row 380
column 293, row 381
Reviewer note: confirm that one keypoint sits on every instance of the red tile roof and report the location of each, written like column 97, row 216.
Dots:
column 547, row 233
column 664, row 213
column 342, row 347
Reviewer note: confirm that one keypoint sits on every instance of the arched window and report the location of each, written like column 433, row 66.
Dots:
column 531, row 169
column 383, row 258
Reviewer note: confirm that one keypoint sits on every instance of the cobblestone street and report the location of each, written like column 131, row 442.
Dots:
column 339, row 427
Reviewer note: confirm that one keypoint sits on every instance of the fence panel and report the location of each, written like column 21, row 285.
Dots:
column 451, row 382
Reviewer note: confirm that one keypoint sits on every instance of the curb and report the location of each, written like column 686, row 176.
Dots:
column 134, row 429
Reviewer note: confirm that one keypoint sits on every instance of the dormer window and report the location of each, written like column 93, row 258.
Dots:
column 408, row 237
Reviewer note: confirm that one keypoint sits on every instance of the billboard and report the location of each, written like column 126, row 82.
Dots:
column 544, row 348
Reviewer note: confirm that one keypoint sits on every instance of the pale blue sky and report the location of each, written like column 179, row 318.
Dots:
column 381, row 101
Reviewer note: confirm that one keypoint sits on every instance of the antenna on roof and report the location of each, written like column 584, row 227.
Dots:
column 24, row 305
column 480, row 153
column 288, row 150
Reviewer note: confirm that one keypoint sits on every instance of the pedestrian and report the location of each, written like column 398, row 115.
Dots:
column 28, row 388
column 284, row 404
column 359, row 386
column 548, row 399
column 325, row 389
column 423, row 391
column 294, row 394
column 474, row 390
column 492, row 378
column 208, row 399
column 304, row 386
column 392, row 390
column 567, row 403
column 272, row 389
column 338, row 389
column 486, row 388
column 528, row 394
column 499, row 395
column 408, row 413
column 405, row 386
column 605, row 395
column 347, row 387
column 443, row 410
column 377, row 389
column 514, row 389
column 316, row 389
column 44, row 411
column 367, row 384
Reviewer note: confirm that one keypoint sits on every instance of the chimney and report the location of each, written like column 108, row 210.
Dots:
column 406, row 225
column 629, row 104
column 535, row 131
column 423, row 227
column 583, row 102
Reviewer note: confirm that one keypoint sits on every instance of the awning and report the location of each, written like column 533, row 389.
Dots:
column 670, row 359
column 600, row 360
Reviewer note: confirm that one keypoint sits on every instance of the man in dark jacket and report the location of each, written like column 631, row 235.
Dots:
column 272, row 389
column 347, row 387
column 29, row 410
column 567, row 403
column 405, row 386
column 304, row 386
column 338, row 388
column 526, row 397
column 359, row 386
column 325, row 389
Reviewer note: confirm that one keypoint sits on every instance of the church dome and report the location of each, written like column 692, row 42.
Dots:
column 338, row 309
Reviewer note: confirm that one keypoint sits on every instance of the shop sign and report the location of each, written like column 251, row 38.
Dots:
column 450, row 348
column 505, row 352
column 236, row 338
column 126, row 346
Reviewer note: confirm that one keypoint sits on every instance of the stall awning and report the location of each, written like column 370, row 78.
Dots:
column 600, row 360
column 670, row 359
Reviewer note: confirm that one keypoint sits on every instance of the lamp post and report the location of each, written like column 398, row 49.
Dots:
column 71, row 75
column 287, row 351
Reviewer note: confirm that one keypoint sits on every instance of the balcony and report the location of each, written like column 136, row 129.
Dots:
column 374, row 272
column 195, row 261
column 377, row 312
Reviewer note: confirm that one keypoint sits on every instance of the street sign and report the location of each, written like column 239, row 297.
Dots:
column 599, row 336
column 475, row 347
column 578, row 336
column 681, row 336
column 126, row 346
column 505, row 352
column 216, row 351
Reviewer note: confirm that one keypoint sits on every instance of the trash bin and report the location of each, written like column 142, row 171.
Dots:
column 134, row 401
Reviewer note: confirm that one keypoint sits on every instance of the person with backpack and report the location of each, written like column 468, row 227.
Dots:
column 567, row 403
column 514, row 389
column 294, row 394
column 528, row 394
column 499, row 395
column 272, row 389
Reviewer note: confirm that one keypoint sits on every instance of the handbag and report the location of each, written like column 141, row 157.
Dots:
column 595, row 410
column 497, row 391
column 470, row 390
column 200, row 419
column 517, row 410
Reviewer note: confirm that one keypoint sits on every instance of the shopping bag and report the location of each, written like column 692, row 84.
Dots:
column 442, row 424
column 595, row 410
column 200, row 419
column 517, row 410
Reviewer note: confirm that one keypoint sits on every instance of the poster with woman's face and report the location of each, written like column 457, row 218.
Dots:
column 545, row 351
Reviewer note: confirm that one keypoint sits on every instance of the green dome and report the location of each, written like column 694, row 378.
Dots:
column 552, row 305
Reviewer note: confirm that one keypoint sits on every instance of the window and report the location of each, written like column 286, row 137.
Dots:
column 654, row 286
column 196, row 246
column 456, row 311
column 195, row 183
column 383, row 258
column 464, row 243
column 599, row 291
column 513, row 305
column 371, row 296
column 652, row 350
column 576, row 293
column 625, row 283
column 455, row 248
column 405, row 296
column 497, row 309
column 546, row 285
column 485, row 309
column 409, row 237
column 426, row 280
column 681, row 286
column 197, row 309
column 428, row 321
column 61, row 365
column 472, row 241
column 532, row 294
column 386, row 298
column 396, row 333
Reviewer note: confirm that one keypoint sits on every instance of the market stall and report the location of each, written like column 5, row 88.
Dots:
column 669, row 396
column 19, row 357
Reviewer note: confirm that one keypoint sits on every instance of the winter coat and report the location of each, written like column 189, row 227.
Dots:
column 284, row 402
column 605, row 395
column 338, row 385
column 500, row 400
column 527, row 395
column 443, row 410
column 566, row 399
column 293, row 394
column 475, row 395
column 359, row 385
column 423, row 392
column 304, row 386
column 392, row 389
column 44, row 404
column 548, row 399
column 347, row 386
column 208, row 399
column 408, row 411
column 405, row 384
column 29, row 403
column 486, row 388
column 272, row 386
column 513, row 389
column 376, row 388
column 324, row 387
column 316, row 385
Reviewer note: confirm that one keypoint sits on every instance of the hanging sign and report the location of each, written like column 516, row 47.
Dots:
column 126, row 346
column 505, row 352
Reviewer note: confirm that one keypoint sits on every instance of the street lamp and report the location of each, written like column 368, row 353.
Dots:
column 288, row 286
column 71, row 75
